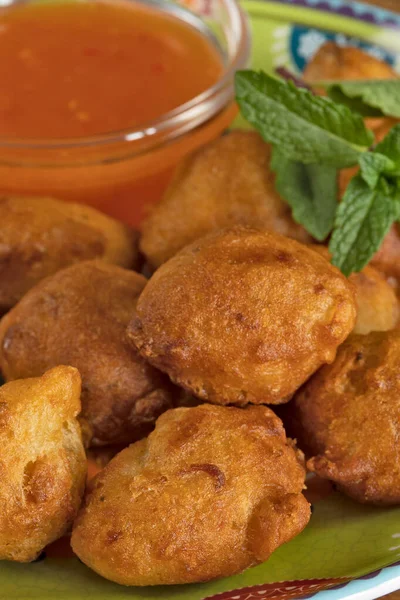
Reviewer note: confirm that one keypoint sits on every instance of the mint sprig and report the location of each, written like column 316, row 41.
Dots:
column 314, row 136
column 302, row 187
column 369, row 98
column 306, row 128
column 390, row 146
column 373, row 165
column 363, row 219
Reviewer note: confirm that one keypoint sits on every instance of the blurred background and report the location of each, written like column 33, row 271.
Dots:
column 392, row 4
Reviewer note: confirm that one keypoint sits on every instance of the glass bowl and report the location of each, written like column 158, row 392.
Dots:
column 124, row 171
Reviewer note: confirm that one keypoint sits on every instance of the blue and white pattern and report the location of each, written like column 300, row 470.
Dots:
column 358, row 10
column 366, row 588
column 305, row 41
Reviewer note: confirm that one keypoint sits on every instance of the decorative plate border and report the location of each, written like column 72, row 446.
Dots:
column 384, row 582
column 368, row 587
column 356, row 10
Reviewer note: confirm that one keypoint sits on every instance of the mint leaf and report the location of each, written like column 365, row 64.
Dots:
column 306, row 128
column 362, row 220
column 310, row 190
column 354, row 104
column 370, row 98
column 372, row 165
column 390, row 146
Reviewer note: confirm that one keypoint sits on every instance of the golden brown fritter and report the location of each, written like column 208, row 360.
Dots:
column 345, row 62
column 212, row 491
column 387, row 259
column 100, row 456
column 226, row 183
column 347, row 417
column 377, row 303
column 39, row 236
column 333, row 62
column 243, row 315
column 79, row 317
column 42, row 462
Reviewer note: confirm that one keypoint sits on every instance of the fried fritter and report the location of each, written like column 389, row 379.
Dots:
column 347, row 417
column 377, row 303
column 79, row 317
column 212, row 491
column 39, row 236
column 387, row 259
column 243, row 315
column 42, row 462
column 333, row 62
column 228, row 182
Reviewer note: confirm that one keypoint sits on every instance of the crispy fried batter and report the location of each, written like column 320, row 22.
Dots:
column 42, row 462
column 40, row 236
column 228, row 182
column 212, row 491
column 79, row 316
column 347, row 417
column 387, row 259
column 333, row 62
column 377, row 303
column 345, row 62
column 243, row 315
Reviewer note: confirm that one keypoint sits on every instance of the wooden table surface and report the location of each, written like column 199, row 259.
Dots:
column 392, row 4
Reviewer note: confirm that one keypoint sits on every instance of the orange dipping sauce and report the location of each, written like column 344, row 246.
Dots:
column 71, row 70
column 79, row 69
